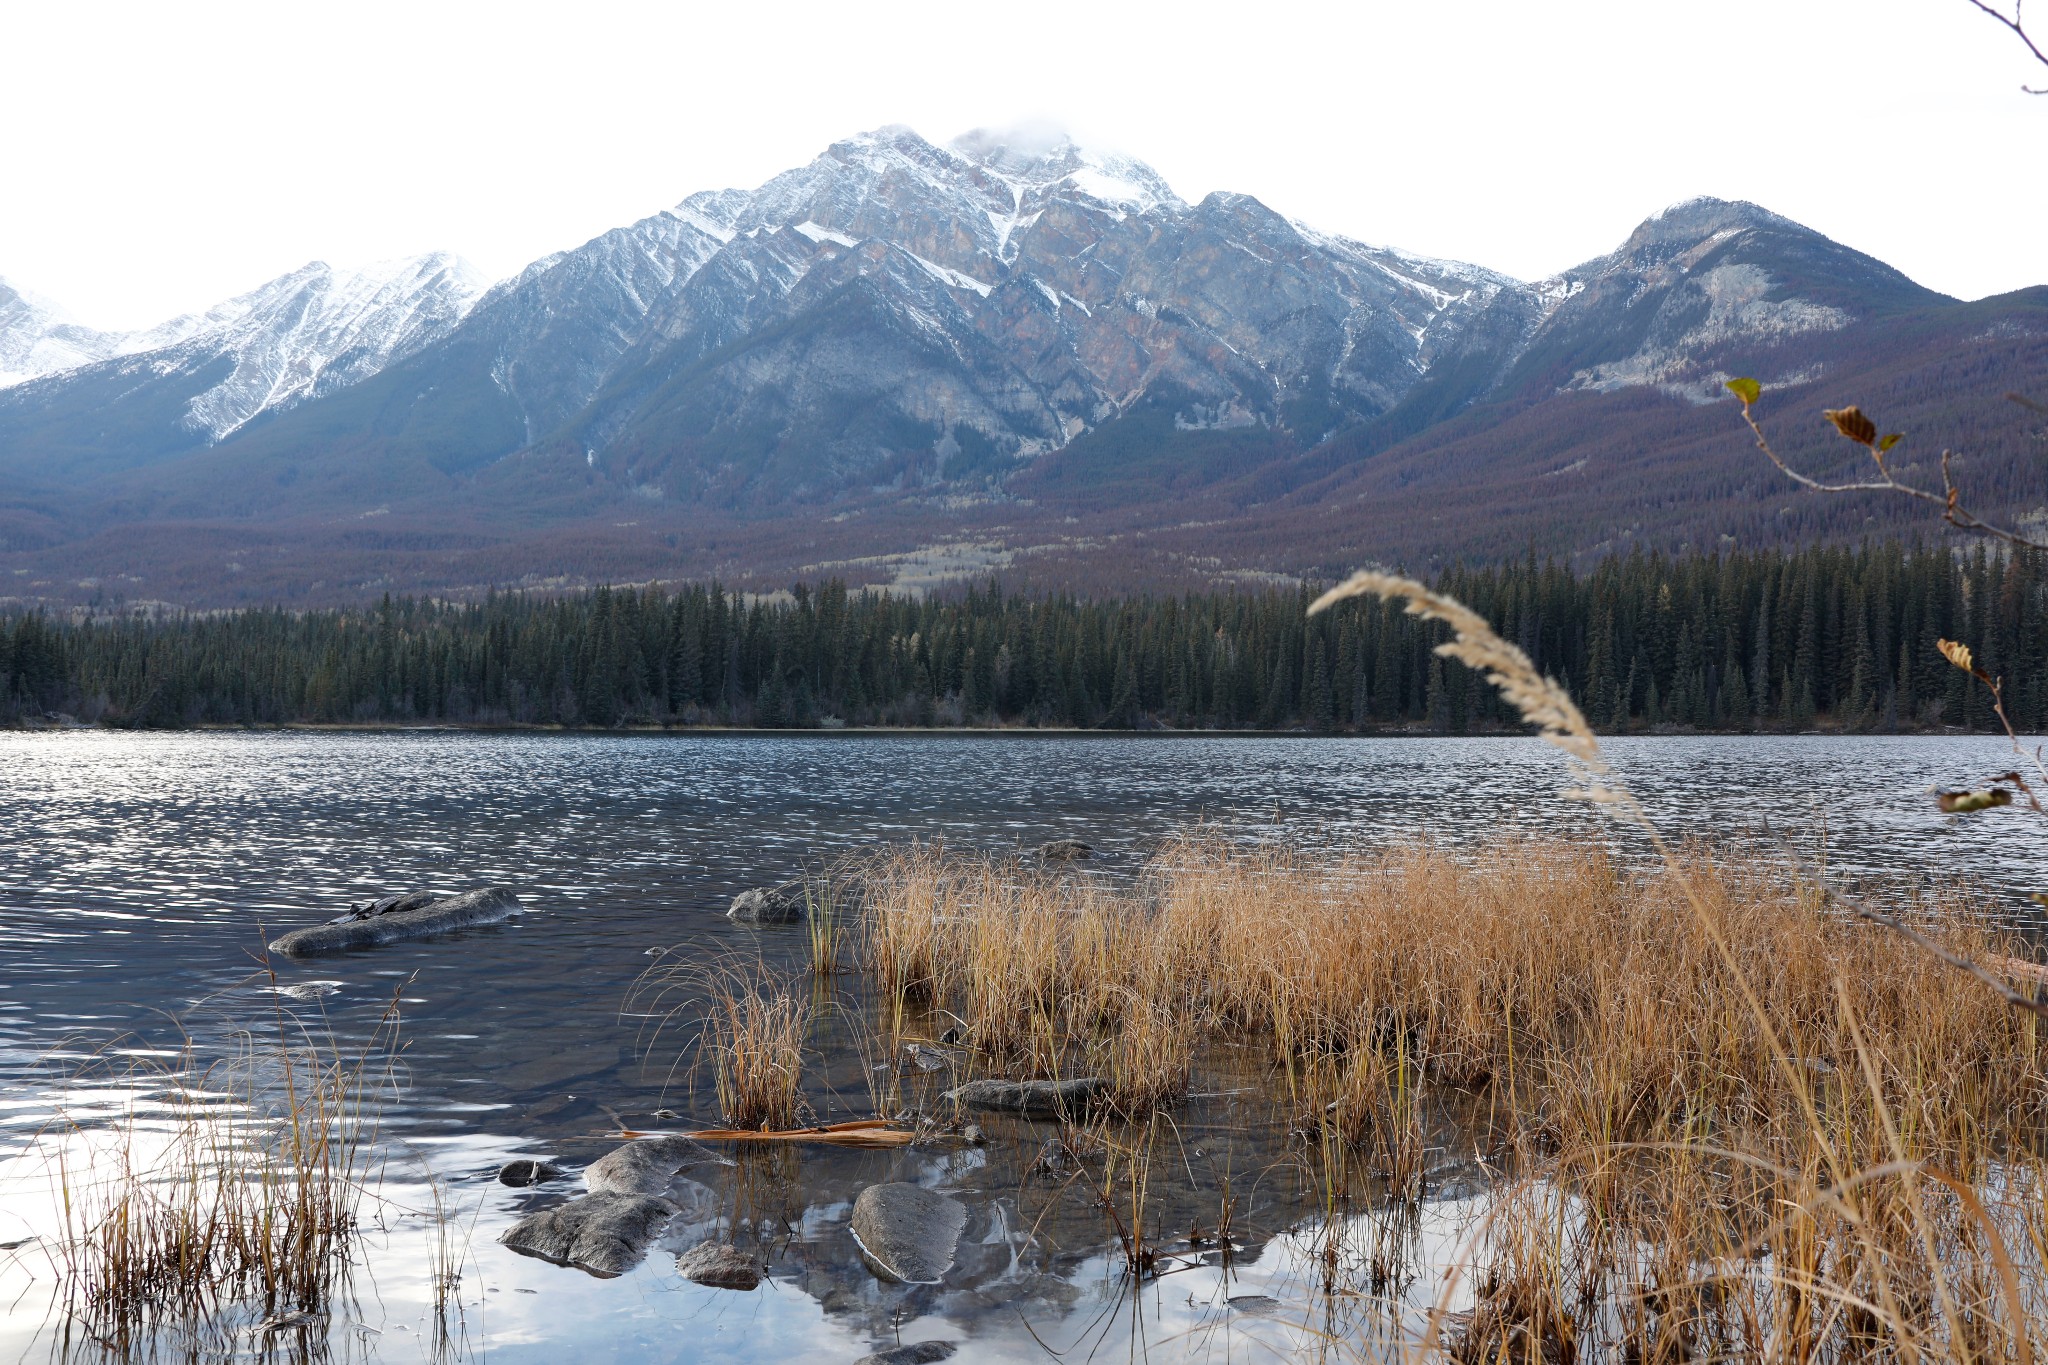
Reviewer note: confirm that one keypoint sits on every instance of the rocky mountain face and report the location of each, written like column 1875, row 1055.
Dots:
column 899, row 313
column 902, row 313
column 999, row 322
column 1700, row 283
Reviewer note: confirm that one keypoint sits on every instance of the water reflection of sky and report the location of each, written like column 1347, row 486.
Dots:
column 140, row 875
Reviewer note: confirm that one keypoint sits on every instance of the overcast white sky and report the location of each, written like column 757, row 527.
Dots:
column 156, row 157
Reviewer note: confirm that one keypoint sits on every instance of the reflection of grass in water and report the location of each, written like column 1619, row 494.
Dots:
column 229, row 1191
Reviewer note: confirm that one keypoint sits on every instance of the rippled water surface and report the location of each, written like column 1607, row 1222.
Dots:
column 141, row 874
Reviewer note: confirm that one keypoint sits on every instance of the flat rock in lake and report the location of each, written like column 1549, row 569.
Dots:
column 917, row 1353
column 644, row 1166
column 605, row 1234
column 719, row 1265
column 783, row 904
column 907, row 1231
column 418, row 919
column 1031, row 1097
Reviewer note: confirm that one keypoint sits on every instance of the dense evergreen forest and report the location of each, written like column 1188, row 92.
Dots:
column 1738, row 641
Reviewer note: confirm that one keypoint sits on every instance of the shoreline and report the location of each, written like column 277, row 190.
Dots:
column 69, row 725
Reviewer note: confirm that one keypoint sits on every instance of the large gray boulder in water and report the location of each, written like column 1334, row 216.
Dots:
column 783, row 904
column 907, row 1231
column 719, row 1265
column 645, row 1166
column 605, row 1234
column 1040, row 1098
column 420, row 915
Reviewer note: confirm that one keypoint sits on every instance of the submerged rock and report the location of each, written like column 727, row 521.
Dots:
column 719, row 1265
column 1064, row 851
column 425, row 919
column 1054, row 1158
column 605, row 1234
column 907, row 1231
column 527, row 1171
column 645, row 1166
column 925, row 1057
column 917, row 1353
column 1031, row 1097
column 783, row 904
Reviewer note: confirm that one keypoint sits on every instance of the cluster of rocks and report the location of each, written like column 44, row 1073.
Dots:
column 907, row 1234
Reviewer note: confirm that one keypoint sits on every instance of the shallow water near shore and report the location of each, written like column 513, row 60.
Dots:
column 141, row 874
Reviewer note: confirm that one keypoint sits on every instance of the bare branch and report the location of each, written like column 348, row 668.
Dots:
column 1997, row 983
column 2019, row 30
column 1949, row 500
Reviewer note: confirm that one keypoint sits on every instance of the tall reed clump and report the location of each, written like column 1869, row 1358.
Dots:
column 1048, row 975
column 753, row 1039
column 229, row 1188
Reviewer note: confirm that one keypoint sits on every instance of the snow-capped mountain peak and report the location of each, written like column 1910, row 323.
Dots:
column 1048, row 162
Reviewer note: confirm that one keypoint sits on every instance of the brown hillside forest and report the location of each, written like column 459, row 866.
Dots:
column 1823, row 636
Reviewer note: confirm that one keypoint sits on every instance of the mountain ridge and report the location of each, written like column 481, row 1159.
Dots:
column 991, row 336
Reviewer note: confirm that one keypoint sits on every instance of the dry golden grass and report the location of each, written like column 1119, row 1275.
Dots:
column 1523, row 964
column 753, row 1038
column 1693, row 1064
column 231, row 1188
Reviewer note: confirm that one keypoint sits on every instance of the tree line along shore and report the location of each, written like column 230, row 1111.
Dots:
column 1771, row 640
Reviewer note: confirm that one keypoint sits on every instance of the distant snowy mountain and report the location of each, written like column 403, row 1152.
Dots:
column 197, row 379
column 1698, row 283
column 311, row 332
column 36, row 338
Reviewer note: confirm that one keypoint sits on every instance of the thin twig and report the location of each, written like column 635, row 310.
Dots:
column 2018, row 26
column 1996, row 983
column 1949, row 500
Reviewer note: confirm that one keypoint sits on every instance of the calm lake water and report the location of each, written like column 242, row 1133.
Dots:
column 140, row 876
